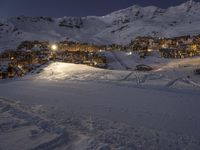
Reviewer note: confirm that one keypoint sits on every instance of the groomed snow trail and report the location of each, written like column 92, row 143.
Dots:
column 46, row 128
column 144, row 110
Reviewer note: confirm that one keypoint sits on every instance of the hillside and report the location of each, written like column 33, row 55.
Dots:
column 118, row 27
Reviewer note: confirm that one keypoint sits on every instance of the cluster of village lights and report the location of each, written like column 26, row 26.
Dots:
column 131, row 53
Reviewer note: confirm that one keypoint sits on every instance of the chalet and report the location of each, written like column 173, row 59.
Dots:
column 10, row 71
column 170, row 53
column 77, row 46
column 31, row 45
column 185, row 50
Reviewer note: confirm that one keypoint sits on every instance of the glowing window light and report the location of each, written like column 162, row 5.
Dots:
column 149, row 50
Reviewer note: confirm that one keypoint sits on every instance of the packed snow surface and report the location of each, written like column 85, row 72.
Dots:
column 79, row 107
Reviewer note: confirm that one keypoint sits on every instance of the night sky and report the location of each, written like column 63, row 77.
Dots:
column 59, row 8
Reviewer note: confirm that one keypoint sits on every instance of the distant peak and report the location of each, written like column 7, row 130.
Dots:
column 190, row 3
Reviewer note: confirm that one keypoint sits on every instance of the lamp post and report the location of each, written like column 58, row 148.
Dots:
column 54, row 48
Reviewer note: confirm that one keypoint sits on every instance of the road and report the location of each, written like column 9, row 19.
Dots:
column 117, row 58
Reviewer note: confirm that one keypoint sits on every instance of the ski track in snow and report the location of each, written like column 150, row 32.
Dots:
column 120, row 61
column 78, row 107
column 49, row 128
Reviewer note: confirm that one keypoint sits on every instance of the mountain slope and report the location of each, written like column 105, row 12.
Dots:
column 118, row 27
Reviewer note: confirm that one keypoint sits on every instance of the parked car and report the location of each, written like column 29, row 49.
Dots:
column 143, row 68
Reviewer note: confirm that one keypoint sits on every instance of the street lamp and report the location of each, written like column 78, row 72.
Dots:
column 54, row 47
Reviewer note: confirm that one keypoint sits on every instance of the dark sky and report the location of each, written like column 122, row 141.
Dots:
column 59, row 8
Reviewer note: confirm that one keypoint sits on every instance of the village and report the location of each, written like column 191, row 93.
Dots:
column 177, row 47
column 30, row 55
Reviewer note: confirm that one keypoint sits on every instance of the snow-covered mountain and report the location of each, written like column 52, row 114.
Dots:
column 118, row 27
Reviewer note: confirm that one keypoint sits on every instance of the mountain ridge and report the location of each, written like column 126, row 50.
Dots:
column 119, row 27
